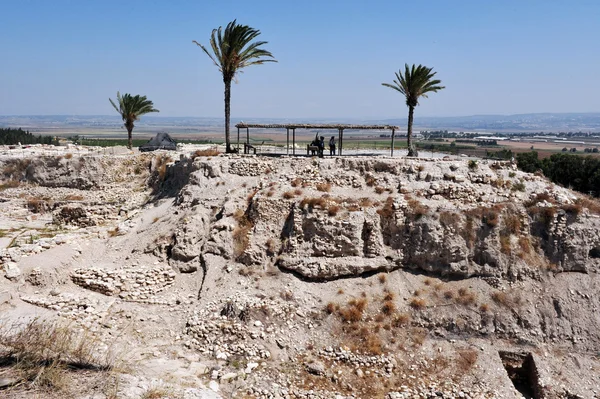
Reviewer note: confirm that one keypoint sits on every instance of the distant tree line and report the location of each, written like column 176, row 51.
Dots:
column 573, row 171
column 478, row 142
column 15, row 136
column 502, row 154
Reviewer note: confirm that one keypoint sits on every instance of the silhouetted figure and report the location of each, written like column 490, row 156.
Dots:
column 321, row 146
column 332, row 146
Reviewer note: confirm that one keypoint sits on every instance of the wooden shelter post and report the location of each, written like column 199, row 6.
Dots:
column 294, row 140
column 238, row 142
column 340, row 140
column 393, row 134
column 248, row 136
column 288, row 141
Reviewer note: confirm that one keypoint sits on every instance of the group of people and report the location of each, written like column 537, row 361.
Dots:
column 320, row 143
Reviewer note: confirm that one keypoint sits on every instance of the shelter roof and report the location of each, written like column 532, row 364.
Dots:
column 335, row 126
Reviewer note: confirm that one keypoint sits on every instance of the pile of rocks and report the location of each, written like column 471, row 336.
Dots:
column 224, row 328
column 71, row 306
column 250, row 167
column 129, row 284
column 382, row 364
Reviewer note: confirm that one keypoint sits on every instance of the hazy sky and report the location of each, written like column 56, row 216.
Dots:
column 494, row 57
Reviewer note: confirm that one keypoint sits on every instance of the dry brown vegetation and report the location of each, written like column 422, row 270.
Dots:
column 365, row 202
column 387, row 210
column 512, row 223
column 9, row 184
column 449, row 219
column 333, row 210
column 297, row 182
column 466, row 297
column 313, row 202
column 509, row 299
column 209, row 152
column 15, row 169
column 573, row 209
column 288, row 195
column 74, row 197
column 44, row 356
column 325, row 187
column 544, row 214
column 465, row 360
column 417, row 303
column 240, row 234
column 379, row 190
column 417, row 208
column 591, row 204
column 488, row 215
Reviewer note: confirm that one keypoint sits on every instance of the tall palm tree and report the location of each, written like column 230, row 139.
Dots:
column 232, row 51
column 416, row 82
column 131, row 108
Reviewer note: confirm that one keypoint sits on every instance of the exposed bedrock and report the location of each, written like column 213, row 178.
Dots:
column 323, row 221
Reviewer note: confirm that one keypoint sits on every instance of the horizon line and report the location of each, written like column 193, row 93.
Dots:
column 307, row 117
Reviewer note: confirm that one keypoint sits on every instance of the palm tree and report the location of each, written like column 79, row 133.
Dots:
column 231, row 52
column 131, row 108
column 416, row 82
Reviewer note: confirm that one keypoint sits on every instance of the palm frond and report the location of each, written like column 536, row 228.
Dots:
column 233, row 49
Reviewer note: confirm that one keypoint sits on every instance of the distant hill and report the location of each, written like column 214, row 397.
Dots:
column 497, row 123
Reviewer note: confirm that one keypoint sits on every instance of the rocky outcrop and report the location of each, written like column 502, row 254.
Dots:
column 323, row 222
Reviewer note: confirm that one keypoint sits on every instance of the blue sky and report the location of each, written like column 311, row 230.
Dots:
column 494, row 57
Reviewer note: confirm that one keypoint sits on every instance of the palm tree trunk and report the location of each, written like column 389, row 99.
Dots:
column 129, row 126
column 411, row 150
column 227, row 114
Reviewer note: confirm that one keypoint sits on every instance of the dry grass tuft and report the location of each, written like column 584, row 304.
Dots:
column 241, row 239
column 525, row 245
column 466, row 297
column 325, row 187
column 365, row 202
column 297, row 182
column 417, row 209
column 44, row 354
column 74, row 197
column 157, row 393
column 418, row 303
column 512, row 223
column 505, row 246
column 448, row 294
column 511, row 299
column 382, row 278
column 379, row 190
column 333, row 210
column 449, row 219
column 591, row 204
column 313, row 203
column 401, row 319
column 573, row 209
column 466, row 359
column 210, row 152
column 388, row 308
column 387, row 210
column 353, row 311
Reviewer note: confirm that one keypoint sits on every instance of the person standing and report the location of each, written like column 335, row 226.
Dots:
column 332, row 146
column 321, row 147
